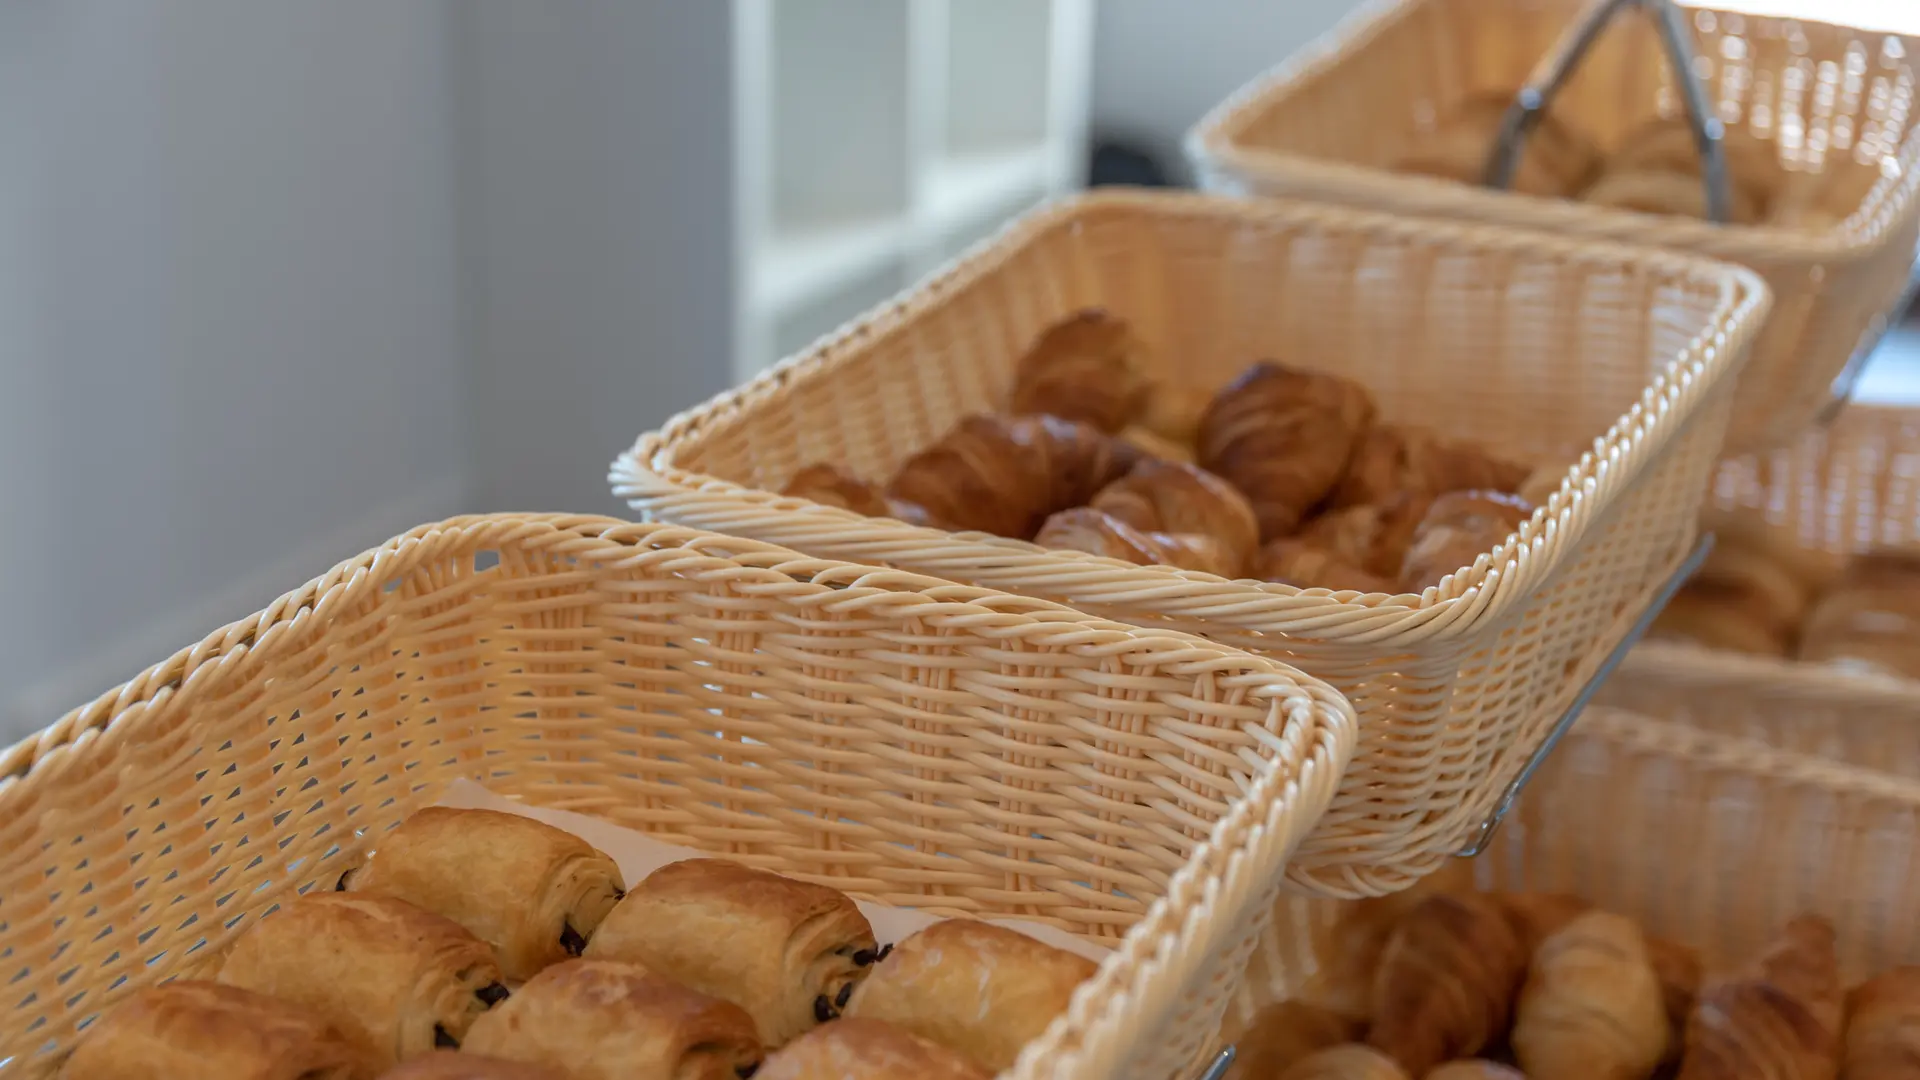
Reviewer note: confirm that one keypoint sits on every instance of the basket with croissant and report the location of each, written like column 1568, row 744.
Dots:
column 238, row 865
column 1669, row 903
column 1444, row 469
column 1803, row 628
column 1400, row 109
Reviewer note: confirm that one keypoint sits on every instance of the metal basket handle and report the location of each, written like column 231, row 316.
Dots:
column 1555, row 68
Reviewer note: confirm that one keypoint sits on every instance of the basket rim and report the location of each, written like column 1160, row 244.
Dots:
column 1213, row 145
column 1735, row 753
column 1775, row 677
column 825, row 582
column 1460, row 605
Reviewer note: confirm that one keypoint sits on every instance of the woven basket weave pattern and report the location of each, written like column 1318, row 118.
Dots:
column 1846, row 489
column 1541, row 347
column 1705, row 839
column 913, row 741
column 1327, row 123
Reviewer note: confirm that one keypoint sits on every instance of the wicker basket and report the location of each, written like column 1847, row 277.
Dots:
column 1844, row 490
column 1708, row 840
column 1325, row 124
column 1532, row 343
column 913, row 741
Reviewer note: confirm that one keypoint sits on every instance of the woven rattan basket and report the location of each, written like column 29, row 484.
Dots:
column 909, row 740
column 1849, row 488
column 1707, row 840
column 1529, row 342
column 1326, row 123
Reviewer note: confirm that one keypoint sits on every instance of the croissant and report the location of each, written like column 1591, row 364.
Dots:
column 1458, row 528
column 1658, row 169
column 1360, row 935
column 829, row 485
column 1283, row 436
column 1173, row 410
column 1167, row 497
column 1099, row 533
column 856, row 1049
column 1539, row 916
column 1446, row 982
column 1373, row 537
column 1883, row 1027
column 1554, row 161
column 1869, row 618
column 1393, row 459
column 1591, row 1005
column 1476, row 1069
column 1658, row 191
column 1089, row 367
column 1283, row 1033
column 1348, row 1061
column 1005, row 475
column 1154, row 445
column 1779, row 1020
column 1718, row 617
column 1300, row 564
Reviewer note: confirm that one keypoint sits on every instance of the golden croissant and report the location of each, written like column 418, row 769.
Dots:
column 1348, row 1061
column 830, row 485
column 1458, row 528
column 1447, row 981
column 1168, row 497
column 1373, row 537
column 1089, row 367
column 1883, row 1027
column 1098, row 533
column 1778, row 1020
column 1475, row 1069
column 1283, row 436
column 1282, row 1034
column 1591, row 1006
column 1005, row 475
column 1396, row 459
column 1300, row 564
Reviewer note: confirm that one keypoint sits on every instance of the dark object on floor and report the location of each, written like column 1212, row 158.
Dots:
column 1117, row 163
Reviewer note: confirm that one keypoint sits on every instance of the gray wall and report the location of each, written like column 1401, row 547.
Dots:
column 281, row 278
column 596, row 145
column 229, row 345
column 1159, row 65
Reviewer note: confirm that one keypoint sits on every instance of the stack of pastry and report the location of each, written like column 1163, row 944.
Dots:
column 1555, row 161
column 1761, row 593
column 1656, row 169
column 1448, row 984
column 1095, row 456
column 482, row 945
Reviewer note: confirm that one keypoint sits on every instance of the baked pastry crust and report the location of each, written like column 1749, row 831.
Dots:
column 1283, row 435
column 830, row 485
column 1168, row 497
column 983, row 990
column 204, row 1029
column 1089, row 367
column 856, row 1049
column 394, row 979
column 534, row 893
column 788, row 952
column 458, row 1065
column 1097, row 532
column 1458, row 528
column 605, row 1020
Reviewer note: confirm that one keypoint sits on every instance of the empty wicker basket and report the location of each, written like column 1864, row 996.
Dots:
column 916, row 742
column 1537, row 345
column 1836, row 102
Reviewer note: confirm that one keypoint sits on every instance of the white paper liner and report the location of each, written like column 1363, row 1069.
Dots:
column 639, row 855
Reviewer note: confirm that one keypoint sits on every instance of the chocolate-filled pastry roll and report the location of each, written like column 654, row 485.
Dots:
column 533, row 892
column 209, row 1032
column 970, row 986
column 853, row 1049
column 605, row 1020
column 460, row 1065
column 788, row 952
column 396, row 980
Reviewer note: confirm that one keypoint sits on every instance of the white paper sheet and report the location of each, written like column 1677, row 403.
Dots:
column 639, row 855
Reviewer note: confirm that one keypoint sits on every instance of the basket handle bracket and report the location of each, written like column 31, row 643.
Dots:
column 1557, row 66
column 1632, row 637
